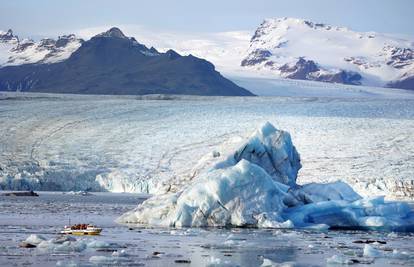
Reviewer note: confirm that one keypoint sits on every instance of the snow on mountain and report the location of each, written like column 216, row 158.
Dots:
column 14, row 51
column 300, row 49
column 7, row 42
column 280, row 48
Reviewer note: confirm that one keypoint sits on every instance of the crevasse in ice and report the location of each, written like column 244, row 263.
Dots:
column 256, row 187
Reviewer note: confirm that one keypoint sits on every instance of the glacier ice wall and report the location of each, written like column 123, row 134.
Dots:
column 149, row 144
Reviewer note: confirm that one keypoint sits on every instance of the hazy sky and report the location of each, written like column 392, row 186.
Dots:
column 53, row 17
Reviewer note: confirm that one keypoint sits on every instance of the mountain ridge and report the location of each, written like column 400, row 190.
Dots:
column 111, row 63
column 300, row 49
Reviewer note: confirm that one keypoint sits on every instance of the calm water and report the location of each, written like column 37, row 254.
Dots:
column 46, row 215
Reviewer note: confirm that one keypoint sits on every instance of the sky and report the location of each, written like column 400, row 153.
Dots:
column 39, row 18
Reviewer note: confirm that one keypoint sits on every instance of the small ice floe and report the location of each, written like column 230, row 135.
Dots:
column 187, row 232
column 69, row 244
column 396, row 254
column 117, row 258
column 32, row 241
column 217, row 262
column 66, row 264
column 371, row 252
column 121, row 253
column 98, row 244
column 338, row 260
column 255, row 186
column 270, row 263
column 79, row 193
column 66, row 246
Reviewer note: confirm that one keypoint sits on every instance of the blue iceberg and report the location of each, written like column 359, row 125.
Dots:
column 255, row 186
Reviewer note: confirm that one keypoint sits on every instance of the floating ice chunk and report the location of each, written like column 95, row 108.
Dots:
column 109, row 260
column 264, row 222
column 401, row 254
column 79, row 193
column 217, row 262
column 337, row 260
column 97, row 244
column 65, row 246
column 268, row 263
column 35, row 239
column 371, row 252
column 66, row 264
column 70, row 246
column 121, row 253
column 102, row 260
column 62, row 238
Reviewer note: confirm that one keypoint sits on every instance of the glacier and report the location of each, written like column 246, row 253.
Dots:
column 256, row 187
column 152, row 143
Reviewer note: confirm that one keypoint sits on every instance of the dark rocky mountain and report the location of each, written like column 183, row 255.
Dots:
column 305, row 69
column 406, row 82
column 111, row 63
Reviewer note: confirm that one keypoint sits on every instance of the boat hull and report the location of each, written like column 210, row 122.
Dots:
column 74, row 232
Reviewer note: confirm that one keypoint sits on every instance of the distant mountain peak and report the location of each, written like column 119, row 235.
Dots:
column 172, row 54
column 8, row 37
column 9, row 32
column 112, row 32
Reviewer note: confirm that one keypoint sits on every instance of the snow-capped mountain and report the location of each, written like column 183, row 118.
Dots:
column 14, row 51
column 299, row 49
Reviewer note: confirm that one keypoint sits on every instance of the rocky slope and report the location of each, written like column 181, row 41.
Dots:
column 110, row 63
column 300, row 49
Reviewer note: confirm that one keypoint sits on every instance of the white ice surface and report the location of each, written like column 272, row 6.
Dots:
column 269, row 85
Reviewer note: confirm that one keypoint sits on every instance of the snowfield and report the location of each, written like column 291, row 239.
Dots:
column 154, row 144
column 378, row 57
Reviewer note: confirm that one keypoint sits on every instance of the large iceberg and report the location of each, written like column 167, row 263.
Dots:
column 256, row 187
